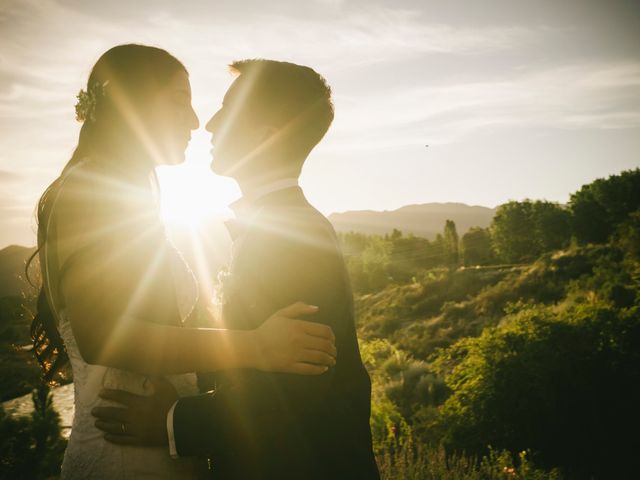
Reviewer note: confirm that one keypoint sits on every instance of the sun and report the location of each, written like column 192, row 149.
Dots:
column 191, row 194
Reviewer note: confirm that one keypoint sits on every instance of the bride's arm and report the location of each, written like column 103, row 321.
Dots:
column 103, row 284
column 107, row 253
column 107, row 335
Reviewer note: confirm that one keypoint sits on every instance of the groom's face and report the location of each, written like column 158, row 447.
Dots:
column 236, row 133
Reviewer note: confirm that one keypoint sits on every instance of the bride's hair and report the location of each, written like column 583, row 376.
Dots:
column 112, row 108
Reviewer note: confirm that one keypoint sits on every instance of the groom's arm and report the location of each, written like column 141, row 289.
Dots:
column 281, row 269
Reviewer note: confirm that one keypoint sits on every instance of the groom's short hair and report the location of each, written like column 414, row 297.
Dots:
column 293, row 98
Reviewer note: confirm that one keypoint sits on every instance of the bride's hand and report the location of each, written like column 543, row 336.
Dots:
column 285, row 344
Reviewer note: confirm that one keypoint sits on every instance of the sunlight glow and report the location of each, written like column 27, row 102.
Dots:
column 191, row 194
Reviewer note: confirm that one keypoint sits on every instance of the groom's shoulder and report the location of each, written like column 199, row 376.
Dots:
column 298, row 222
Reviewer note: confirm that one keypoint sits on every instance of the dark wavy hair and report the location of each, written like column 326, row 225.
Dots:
column 295, row 98
column 128, row 78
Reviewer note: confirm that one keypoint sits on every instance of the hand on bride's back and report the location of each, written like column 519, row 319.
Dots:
column 287, row 344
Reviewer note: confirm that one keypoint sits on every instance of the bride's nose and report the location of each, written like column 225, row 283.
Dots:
column 194, row 123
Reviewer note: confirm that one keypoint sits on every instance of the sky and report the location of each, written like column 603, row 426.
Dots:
column 515, row 99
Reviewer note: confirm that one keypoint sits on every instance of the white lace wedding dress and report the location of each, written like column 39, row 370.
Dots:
column 88, row 454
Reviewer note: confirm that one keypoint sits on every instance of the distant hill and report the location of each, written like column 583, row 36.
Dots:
column 426, row 220
column 12, row 262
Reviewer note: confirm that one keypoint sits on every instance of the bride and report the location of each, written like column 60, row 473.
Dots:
column 115, row 292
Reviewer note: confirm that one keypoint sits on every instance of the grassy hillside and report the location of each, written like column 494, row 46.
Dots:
column 513, row 357
column 528, row 353
column 438, row 307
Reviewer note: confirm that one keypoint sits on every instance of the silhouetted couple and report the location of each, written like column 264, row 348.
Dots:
column 291, row 397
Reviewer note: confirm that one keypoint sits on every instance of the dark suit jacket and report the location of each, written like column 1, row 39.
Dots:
column 270, row 425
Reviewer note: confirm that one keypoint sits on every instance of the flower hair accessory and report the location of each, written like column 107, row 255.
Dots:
column 87, row 100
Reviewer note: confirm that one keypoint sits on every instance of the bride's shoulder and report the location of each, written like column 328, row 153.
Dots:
column 88, row 188
column 87, row 199
column 84, row 179
column 98, row 205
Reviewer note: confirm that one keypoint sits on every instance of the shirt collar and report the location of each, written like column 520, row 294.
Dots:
column 245, row 204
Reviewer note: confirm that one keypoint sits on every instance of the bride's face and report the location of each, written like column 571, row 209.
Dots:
column 171, row 121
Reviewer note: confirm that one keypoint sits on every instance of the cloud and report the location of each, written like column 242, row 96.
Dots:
column 403, row 73
column 45, row 62
column 584, row 96
column 357, row 37
column 7, row 176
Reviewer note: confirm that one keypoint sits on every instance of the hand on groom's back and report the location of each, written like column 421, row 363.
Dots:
column 142, row 420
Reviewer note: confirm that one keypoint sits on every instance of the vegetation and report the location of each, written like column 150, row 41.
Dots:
column 19, row 371
column 32, row 447
column 601, row 206
column 522, row 231
column 511, row 352
column 435, row 464
column 542, row 357
column 476, row 247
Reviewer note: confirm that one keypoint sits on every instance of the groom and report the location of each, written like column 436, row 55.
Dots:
column 270, row 425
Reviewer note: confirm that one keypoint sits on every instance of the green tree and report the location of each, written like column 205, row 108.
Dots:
column 389, row 428
column 600, row 206
column 552, row 226
column 15, row 447
column 476, row 247
column 375, row 263
column 522, row 231
column 407, row 256
column 451, row 245
column 435, row 255
column 48, row 442
column 563, row 383
column 628, row 237
column 19, row 371
column 395, row 234
column 511, row 232
column 32, row 447
column 367, row 258
column 353, row 243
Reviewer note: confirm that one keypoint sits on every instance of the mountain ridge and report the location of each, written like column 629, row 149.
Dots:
column 426, row 219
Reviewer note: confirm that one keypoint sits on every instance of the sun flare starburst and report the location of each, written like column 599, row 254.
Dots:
column 191, row 194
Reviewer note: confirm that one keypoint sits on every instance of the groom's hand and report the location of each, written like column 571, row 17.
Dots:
column 142, row 421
